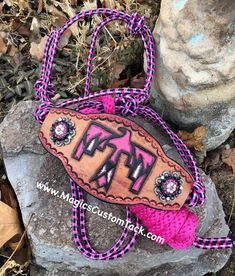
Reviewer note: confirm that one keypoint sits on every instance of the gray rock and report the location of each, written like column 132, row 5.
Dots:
column 50, row 233
column 195, row 76
column 1, row 157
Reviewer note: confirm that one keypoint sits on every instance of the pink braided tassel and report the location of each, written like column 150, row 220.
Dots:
column 176, row 227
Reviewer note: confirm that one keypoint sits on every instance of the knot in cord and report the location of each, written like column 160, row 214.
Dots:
column 127, row 105
column 196, row 197
column 44, row 90
column 136, row 24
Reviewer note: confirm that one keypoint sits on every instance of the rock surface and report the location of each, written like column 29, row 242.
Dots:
column 195, row 76
column 50, row 233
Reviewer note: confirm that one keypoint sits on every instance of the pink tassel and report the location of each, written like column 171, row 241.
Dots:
column 176, row 227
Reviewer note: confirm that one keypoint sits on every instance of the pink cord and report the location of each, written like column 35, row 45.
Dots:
column 176, row 227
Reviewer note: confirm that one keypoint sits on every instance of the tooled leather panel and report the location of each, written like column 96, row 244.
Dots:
column 115, row 159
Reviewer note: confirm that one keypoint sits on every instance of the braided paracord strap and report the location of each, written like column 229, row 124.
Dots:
column 44, row 88
column 128, row 102
column 80, row 236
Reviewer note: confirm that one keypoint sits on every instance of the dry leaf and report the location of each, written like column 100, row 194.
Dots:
column 212, row 160
column 193, row 139
column 10, row 228
column 66, row 7
column 64, row 40
column 138, row 81
column 74, row 2
column 1, row 7
column 113, row 4
column 119, row 83
column 3, row 46
column 36, row 49
column 7, row 195
column 9, row 3
column 35, row 26
column 15, row 268
column 110, row 4
column 23, row 4
column 13, row 50
column 20, row 27
column 59, row 17
column 40, row 6
column 89, row 5
column 118, row 68
column 228, row 157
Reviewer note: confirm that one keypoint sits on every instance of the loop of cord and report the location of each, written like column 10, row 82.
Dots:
column 43, row 87
column 118, row 250
column 136, row 24
column 183, row 223
column 126, row 103
column 135, row 27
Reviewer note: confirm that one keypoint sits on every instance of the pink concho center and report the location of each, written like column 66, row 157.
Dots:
column 61, row 130
column 170, row 186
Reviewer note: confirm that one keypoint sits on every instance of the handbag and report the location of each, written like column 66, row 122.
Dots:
column 110, row 156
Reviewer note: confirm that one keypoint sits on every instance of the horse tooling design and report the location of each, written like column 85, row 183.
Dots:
column 140, row 161
column 115, row 159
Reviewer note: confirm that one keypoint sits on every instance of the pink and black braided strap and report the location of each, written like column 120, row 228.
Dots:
column 214, row 243
column 128, row 102
column 44, row 88
column 80, row 236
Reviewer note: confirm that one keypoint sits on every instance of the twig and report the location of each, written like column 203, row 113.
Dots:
column 84, row 64
column 94, row 69
column 107, row 31
column 230, row 216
